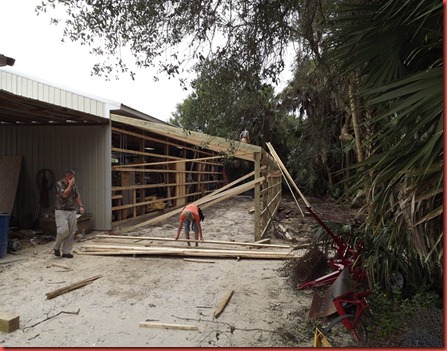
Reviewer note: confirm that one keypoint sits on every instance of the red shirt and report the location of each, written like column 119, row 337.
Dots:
column 194, row 209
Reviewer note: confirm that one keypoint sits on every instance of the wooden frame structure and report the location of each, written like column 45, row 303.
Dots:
column 158, row 169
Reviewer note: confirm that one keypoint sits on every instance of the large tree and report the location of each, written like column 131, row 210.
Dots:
column 226, row 99
column 171, row 33
column 394, row 52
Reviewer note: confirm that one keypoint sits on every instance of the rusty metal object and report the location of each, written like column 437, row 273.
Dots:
column 323, row 306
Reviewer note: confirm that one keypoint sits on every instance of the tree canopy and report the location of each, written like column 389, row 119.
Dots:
column 171, row 33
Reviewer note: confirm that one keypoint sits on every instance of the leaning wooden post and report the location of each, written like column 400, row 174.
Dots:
column 265, row 196
column 257, row 158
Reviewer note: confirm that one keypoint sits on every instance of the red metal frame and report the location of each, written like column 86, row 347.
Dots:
column 361, row 304
column 348, row 256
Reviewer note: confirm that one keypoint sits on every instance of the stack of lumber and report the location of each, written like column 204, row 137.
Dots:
column 131, row 245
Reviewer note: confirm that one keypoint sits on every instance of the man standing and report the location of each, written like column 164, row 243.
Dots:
column 191, row 215
column 65, row 213
column 244, row 137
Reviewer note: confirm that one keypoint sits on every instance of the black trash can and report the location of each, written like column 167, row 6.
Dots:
column 4, row 228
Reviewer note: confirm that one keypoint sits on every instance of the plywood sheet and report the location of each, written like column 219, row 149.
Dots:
column 9, row 178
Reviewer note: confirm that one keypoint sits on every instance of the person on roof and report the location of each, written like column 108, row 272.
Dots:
column 244, row 137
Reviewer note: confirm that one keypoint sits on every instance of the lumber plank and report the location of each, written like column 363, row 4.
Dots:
column 77, row 285
column 167, row 326
column 60, row 265
column 171, row 162
column 260, row 243
column 9, row 322
column 286, row 172
column 228, row 186
column 11, row 261
column 267, row 241
column 257, row 219
column 196, row 260
column 222, row 304
column 178, row 249
column 217, row 144
column 203, row 202
column 192, row 253
column 285, row 232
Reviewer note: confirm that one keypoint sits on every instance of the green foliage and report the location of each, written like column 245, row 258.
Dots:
column 395, row 50
column 170, row 34
column 391, row 311
column 226, row 99
column 315, row 154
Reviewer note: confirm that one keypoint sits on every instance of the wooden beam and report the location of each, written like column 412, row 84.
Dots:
column 190, row 251
column 264, row 241
column 257, row 219
column 229, row 185
column 286, row 172
column 71, row 287
column 237, row 243
column 291, row 191
column 59, row 265
column 268, row 223
column 199, row 261
column 167, row 326
column 170, row 162
column 201, row 202
column 163, row 141
column 221, row 306
column 217, row 144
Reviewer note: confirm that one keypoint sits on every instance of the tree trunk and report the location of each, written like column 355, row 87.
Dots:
column 355, row 122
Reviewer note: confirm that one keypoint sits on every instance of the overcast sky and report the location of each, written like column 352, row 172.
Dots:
column 37, row 48
column 39, row 52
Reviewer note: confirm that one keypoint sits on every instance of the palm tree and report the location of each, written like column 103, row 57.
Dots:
column 394, row 52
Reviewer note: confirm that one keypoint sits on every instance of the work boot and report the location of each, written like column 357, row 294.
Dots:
column 57, row 253
column 67, row 255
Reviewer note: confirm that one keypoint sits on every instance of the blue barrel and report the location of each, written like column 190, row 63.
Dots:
column 4, row 227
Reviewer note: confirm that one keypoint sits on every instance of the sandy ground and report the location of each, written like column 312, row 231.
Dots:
column 264, row 311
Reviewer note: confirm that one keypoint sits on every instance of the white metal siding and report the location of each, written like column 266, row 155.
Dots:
column 87, row 149
column 36, row 90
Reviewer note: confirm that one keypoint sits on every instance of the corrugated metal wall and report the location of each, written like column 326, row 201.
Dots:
column 87, row 149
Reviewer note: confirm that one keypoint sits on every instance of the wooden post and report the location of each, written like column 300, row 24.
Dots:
column 140, row 195
column 266, row 198
column 180, row 189
column 257, row 218
column 125, row 181
column 167, row 177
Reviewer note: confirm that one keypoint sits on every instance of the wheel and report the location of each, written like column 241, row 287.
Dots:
column 339, row 336
column 397, row 280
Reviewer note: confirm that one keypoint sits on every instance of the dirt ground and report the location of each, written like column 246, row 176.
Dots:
column 266, row 310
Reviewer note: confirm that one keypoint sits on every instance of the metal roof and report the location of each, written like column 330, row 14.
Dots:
column 28, row 100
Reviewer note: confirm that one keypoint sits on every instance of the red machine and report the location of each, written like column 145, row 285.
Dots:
column 347, row 255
